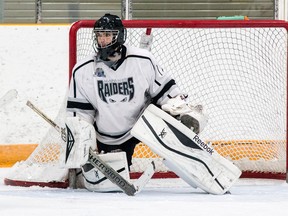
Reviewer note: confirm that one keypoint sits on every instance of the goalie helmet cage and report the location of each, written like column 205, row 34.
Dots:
column 236, row 69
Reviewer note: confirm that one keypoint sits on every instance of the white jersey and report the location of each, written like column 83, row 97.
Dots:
column 114, row 97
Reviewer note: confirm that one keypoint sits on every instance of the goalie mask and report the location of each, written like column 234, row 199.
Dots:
column 109, row 35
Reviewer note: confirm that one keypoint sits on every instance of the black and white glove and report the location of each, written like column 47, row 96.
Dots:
column 191, row 116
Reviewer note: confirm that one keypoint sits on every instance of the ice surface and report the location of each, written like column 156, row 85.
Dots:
column 160, row 197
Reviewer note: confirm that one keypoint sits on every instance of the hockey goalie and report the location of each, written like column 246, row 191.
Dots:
column 110, row 90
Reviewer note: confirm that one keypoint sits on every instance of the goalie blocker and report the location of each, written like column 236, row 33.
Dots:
column 193, row 160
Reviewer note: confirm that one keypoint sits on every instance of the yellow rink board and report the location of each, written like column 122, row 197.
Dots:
column 235, row 150
column 10, row 154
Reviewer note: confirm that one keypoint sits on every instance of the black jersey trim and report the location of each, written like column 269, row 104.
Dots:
column 74, row 72
column 164, row 90
column 79, row 105
column 143, row 57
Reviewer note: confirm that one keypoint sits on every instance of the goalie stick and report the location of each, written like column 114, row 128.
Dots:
column 97, row 162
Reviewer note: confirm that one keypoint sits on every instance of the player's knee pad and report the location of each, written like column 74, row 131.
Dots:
column 94, row 180
column 200, row 171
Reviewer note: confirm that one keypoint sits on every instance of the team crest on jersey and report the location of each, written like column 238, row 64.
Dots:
column 99, row 73
column 116, row 91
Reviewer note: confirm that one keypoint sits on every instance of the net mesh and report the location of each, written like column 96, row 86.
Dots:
column 239, row 75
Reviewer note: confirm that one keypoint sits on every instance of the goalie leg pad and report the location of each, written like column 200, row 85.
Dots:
column 185, row 153
column 171, row 165
column 201, row 173
column 94, row 180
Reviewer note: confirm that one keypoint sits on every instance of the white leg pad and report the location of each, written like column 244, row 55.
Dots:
column 95, row 181
column 193, row 160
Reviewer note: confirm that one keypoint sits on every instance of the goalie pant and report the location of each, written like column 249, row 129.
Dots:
column 188, row 157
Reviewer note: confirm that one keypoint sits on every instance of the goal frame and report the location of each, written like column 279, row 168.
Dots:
column 148, row 24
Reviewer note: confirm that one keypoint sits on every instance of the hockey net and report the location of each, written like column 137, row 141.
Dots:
column 236, row 69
